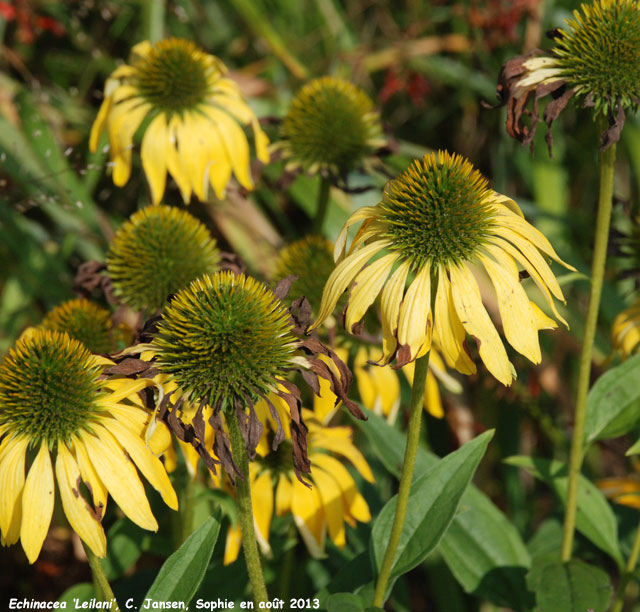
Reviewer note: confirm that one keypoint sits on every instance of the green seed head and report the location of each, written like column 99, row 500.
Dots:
column 85, row 321
column 599, row 53
column 48, row 387
column 176, row 76
column 157, row 252
column 225, row 337
column 437, row 211
column 331, row 125
column 311, row 260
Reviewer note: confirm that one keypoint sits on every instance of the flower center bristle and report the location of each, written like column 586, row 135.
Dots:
column 437, row 211
column 175, row 77
column 225, row 337
column 48, row 387
column 599, row 53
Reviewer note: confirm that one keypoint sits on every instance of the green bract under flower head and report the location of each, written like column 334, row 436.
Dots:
column 85, row 321
column 48, row 387
column 157, row 252
column 223, row 338
column 331, row 126
column 311, row 260
column 437, row 211
column 599, row 53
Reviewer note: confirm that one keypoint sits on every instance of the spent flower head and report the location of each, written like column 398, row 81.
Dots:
column 435, row 226
column 192, row 115
column 157, row 252
column 81, row 427
column 331, row 127
column 596, row 57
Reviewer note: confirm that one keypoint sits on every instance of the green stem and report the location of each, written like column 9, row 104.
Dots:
column 103, row 588
column 628, row 573
column 187, row 506
column 288, row 564
column 605, row 199
column 410, row 454
column 245, row 512
column 153, row 19
column 322, row 206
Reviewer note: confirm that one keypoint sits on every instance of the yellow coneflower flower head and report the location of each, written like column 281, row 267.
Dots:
column 331, row 126
column 332, row 499
column 85, row 321
column 436, row 226
column 81, row 427
column 194, row 114
column 157, row 252
column 311, row 260
column 225, row 337
column 625, row 333
column 596, row 56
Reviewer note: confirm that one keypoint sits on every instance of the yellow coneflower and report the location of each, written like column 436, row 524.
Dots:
column 435, row 225
column 81, row 428
column 625, row 333
column 156, row 252
column 331, row 127
column 194, row 114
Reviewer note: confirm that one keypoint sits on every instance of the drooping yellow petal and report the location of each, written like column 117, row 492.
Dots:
column 476, row 321
column 542, row 321
column 38, row 496
column 153, row 154
column 99, row 124
column 150, row 466
column 331, row 495
column 284, row 492
column 306, row 507
column 175, row 163
column 193, row 149
column 233, row 543
column 76, row 509
column 342, row 276
column 390, row 300
column 432, row 400
column 120, row 476
column 262, row 499
column 339, row 248
column 414, row 313
column 518, row 320
column 90, row 478
column 367, row 287
column 12, row 477
column 338, row 440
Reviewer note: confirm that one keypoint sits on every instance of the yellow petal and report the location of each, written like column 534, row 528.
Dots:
column 12, row 460
column 262, row 499
column 362, row 213
column 324, row 405
column 232, row 545
column 390, row 300
column 219, row 166
column 262, row 142
column 193, row 149
column 150, row 466
column 76, row 508
column 153, row 155
column 99, row 124
column 120, row 476
column 518, row 320
column 542, row 321
column 432, row 401
column 90, row 478
column 414, row 313
column 331, row 495
column 338, row 440
column 366, row 288
column 306, row 507
column 284, row 491
column 476, row 321
column 342, row 276
column 175, row 163
column 38, row 496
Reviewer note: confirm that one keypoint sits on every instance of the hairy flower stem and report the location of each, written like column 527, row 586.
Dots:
column 607, row 161
column 628, row 573
column 410, row 454
column 153, row 19
column 245, row 513
column 322, row 206
column 101, row 584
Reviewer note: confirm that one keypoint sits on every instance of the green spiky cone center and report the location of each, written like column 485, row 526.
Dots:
column 437, row 211
column 599, row 53
column 48, row 387
column 159, row 251
column 331, row 124
column 174, row 77
column 311, row 260
column 84, row 321
column 223, row 338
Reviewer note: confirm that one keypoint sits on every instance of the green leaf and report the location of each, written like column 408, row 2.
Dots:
column 613, row 405
column 570, row 587
column 344, row 602
column 82, row 591
column 491, row 567
column 182, row 573
column 124, row 548
column 595, row 519
column 432, row 506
